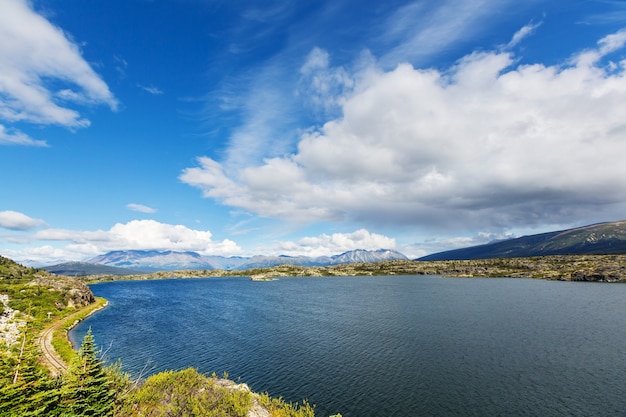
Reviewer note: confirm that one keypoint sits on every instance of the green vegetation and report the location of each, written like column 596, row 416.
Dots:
column 88, row 387
column 186, row 393
column 279, row 408
column 28, row 390
column 60, row 341
column 40, row 296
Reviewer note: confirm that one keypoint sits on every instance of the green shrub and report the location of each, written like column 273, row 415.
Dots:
column 185, row 393
column 279, row 408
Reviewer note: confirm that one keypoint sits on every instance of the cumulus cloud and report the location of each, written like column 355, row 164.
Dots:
column 606, row 46
column 66, row 244
column 40, row 255
column 141, row 208
column 323, row 86
column 35, row 58
column 328, row 245
column 14, row 220
column 486, row 143
column 140, row 234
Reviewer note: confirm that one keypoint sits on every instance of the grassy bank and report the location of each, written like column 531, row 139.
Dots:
column 60, row 340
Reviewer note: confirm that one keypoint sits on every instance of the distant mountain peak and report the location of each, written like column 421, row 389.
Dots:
column 153, row 260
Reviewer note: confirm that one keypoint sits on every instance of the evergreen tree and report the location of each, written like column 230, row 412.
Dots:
column 33, row 392
column 87, row 389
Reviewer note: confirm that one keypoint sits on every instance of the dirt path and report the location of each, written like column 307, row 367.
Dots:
column 51, row 359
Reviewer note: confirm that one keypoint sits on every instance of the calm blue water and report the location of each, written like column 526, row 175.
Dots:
column 383, row 346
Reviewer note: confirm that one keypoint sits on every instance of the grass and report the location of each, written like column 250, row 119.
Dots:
column 60, row 341
column 279, row 408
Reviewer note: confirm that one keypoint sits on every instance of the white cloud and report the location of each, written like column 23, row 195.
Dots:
column 265, row 113
column 321, row 85
column 615, row 14
column 435, row 245
column 64, row 245
column 613, row 42
column 141, row 208
column 139, row 234
column 524, row 32
column 14, row 220
column 151, row 89
column 328, row 245
column 421, row 30
column 15, row 137
column 269, row 101
column 37, row 256
column 483, row 144
column 607, row 45
column 36, row 55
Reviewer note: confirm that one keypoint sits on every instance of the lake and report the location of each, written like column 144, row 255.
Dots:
column 382, row 346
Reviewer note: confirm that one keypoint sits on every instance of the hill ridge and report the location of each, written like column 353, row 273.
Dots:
column 604, row 238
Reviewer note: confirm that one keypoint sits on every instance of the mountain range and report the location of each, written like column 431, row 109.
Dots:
column 597, row 239
column 601, row 238
column 153, row 260
column 79, row 269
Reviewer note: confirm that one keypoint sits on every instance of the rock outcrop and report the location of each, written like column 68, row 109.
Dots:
column 10, row 328
column 76, row 293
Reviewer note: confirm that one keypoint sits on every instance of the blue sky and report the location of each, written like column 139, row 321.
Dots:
column 306, row 127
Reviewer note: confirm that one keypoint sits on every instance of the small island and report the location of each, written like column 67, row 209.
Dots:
column 262, row 277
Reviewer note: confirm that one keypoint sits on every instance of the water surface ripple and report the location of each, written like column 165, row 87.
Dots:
column 383, row 346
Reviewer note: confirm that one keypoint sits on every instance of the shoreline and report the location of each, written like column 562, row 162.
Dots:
column 51, row 358
column 91, row 313
column 79, row 320
column 581, row 268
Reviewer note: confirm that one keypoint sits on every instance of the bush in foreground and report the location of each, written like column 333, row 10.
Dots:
column 89, row 388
